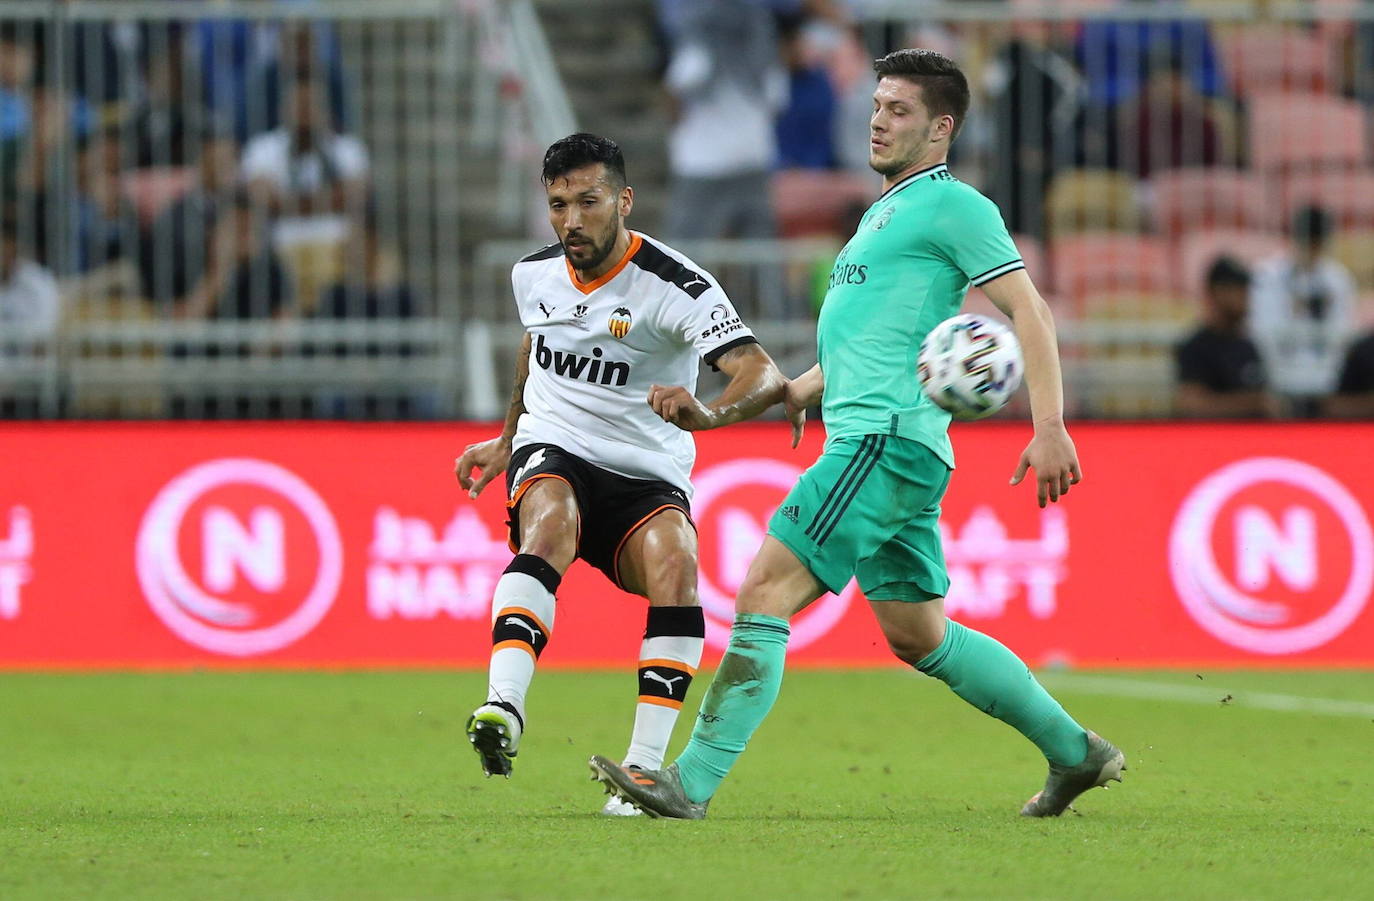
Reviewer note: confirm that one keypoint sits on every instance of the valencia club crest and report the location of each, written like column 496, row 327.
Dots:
column 620, row 322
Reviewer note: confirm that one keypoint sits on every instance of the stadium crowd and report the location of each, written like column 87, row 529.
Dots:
column 1136, row 161
column 214, row 170
column 186, row 170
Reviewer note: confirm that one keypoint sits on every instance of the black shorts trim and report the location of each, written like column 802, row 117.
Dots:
column 611, row 507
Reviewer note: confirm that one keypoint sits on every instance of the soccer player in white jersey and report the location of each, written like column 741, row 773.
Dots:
column 596, row 444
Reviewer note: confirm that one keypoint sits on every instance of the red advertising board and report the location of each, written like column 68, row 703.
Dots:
column 167, row 545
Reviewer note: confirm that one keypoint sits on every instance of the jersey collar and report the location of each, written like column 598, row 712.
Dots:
column 914, row 177
column 589, row 287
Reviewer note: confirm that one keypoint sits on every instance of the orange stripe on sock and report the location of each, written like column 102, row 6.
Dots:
column 525, row 611
column 514, row 643
column 661, row 702
column 670, row 664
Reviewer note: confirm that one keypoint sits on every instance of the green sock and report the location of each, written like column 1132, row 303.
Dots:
column 982, row 671
column 741, row 694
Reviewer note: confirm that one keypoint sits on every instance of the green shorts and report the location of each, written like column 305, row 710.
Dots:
column 870, row 507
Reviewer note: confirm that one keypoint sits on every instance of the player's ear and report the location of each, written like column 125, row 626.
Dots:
column 944, row 127
column 627, row 200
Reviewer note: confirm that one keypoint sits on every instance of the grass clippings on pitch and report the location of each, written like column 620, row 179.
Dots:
column 873, row 784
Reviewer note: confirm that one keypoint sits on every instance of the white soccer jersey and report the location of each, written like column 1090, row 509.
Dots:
column 596, row 349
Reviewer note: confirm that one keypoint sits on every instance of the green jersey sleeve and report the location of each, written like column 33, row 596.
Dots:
column 971, row 234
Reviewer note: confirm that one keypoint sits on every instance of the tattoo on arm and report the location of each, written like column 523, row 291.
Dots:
column 517, row 394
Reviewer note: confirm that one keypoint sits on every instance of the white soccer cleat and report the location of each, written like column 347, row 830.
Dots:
column 615, row 807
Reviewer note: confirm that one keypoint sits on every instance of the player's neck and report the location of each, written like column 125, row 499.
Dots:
column 618, row 251
column 931, row 159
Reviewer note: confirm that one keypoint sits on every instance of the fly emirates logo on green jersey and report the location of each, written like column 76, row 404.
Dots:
column 847, row 273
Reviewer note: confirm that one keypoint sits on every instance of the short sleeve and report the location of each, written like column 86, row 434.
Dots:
column 974, row 238
column 518, row 291
column 709, row 322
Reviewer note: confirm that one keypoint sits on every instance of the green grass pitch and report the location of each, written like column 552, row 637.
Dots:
column 876, row 784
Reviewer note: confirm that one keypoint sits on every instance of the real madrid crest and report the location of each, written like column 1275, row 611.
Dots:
column 883, row 219
column 620, row 322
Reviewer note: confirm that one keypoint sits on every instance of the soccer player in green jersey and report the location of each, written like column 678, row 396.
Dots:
column 869, row 507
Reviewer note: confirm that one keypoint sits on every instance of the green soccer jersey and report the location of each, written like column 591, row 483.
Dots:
column 907, row 268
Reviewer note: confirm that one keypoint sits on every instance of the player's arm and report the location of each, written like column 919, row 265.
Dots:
column 492, row 456
column 755, row 384
column 1051, row 452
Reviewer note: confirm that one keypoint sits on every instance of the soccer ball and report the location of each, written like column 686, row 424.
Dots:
column 969, row 366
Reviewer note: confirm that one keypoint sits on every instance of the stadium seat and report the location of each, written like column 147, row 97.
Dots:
column 1192, row 198
column 1092, row 200
column 809, row 202
column 1356, row 250
column 1347, row 195
column 1139, row 306
column 1197, row 250
column 1293, row 131
column 1288, row 58
column 1098, row 263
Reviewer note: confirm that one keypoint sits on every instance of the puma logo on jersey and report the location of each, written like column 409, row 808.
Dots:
column 592, row 370
column 696, row 280
column 547, row 311
column 535, row 634
column 668, row 683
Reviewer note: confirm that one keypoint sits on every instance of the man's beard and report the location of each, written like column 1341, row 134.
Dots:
column 887, row 169
column 599, row 251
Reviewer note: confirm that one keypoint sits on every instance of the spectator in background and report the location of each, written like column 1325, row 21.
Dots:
column 30, row 305
column 1036, row 94
column 805, row 127
column 311, row 47
column 305, row 173
column 372, row 285
column 35, row 120
column 243, row 277
column 1354, row 397
column 96, row 60
column 1220, row 375
column 1168, row 125
column 1303, row 312
column 725, row 77
column 170, row 122
column 175, row 250
column 16, row 78
column 241, row 60
column 105, row 228
column 1117, row 56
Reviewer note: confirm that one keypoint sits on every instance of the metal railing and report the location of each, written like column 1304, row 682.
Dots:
column 215, row 264
column 1114, row 233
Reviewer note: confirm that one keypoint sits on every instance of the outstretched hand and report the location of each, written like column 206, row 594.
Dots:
column 1055, row 460
column 491, row 457
column 679, row 406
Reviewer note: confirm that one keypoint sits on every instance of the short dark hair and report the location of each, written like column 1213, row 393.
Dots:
column 943, row 86
column 583, row 149
column 1311, row 225
column 1227, row 271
